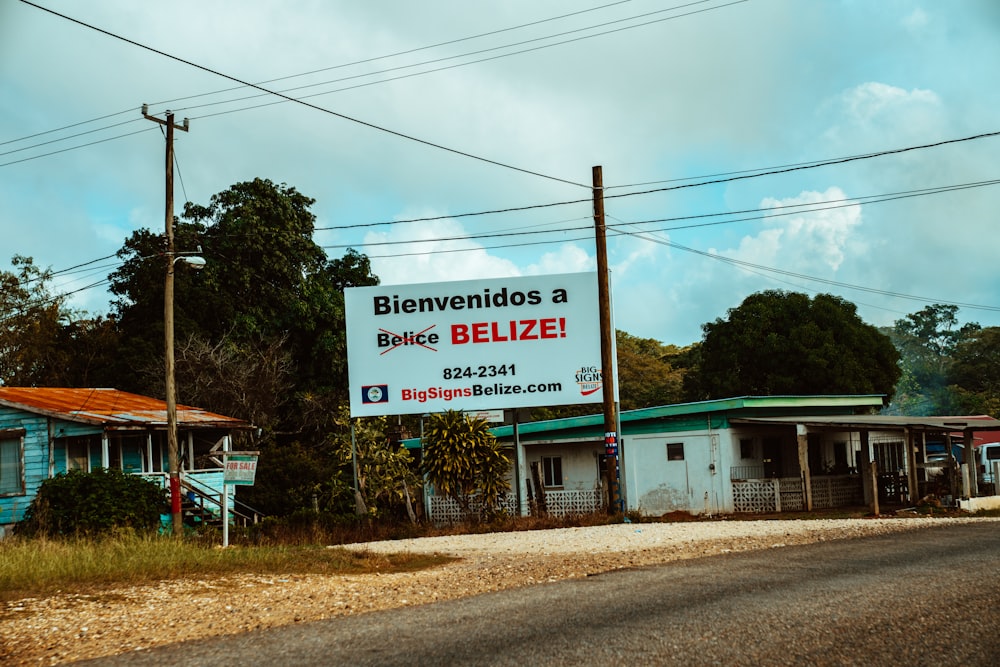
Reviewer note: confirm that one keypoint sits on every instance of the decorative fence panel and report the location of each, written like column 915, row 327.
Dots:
column 837, row 491
column 443, row 509
column 567, row 503
column 792, row 496
column 785, row 493
column 756, row 495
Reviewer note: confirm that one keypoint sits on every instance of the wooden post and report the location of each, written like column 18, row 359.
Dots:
column 969, row 458
column 864, row 468
column 168, row 323
column 873, row 466
column 607, row 341
column 911, row 465
column 802, row 439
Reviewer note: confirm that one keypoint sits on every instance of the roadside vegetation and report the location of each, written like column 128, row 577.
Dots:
column 42, row 567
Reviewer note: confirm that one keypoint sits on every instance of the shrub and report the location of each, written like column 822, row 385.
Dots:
column 104, row 501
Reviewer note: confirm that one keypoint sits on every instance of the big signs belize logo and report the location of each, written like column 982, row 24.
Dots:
column 589, row 380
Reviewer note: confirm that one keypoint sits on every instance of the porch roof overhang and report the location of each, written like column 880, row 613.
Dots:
column 587, row 427
column 881, row 422
column 111, row 409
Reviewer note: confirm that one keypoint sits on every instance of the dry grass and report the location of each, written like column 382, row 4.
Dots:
column 40, row 567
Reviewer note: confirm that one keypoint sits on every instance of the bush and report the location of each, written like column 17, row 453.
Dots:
column 78, row 503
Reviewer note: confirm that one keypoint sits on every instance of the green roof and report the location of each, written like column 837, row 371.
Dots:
column 746, row 406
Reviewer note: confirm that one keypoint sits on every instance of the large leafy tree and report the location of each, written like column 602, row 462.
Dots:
column 463, row 460
column 647, row 374
column 260, row 330
column 974, row 374
column 779, row 342
column 42, row 341
column 265, row 280
column 926, row 340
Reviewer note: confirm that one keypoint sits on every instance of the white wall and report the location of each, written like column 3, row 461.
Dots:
column 698, row 484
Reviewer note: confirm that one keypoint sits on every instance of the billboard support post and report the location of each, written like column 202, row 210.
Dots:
column 607, row 356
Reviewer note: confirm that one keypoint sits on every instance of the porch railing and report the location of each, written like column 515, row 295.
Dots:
column 442, row 509
column 202, row 487
column 785, row 494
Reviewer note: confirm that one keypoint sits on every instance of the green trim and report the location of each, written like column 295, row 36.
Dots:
column 685, row 416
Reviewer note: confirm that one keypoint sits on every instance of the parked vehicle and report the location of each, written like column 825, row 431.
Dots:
column 988, row 457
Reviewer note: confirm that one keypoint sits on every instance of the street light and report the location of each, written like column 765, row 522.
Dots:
column 173, row 459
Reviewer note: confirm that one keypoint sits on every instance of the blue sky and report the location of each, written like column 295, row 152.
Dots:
column 713, row 87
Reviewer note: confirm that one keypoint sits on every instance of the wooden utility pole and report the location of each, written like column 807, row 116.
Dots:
column 168, row 324
column 607, row 340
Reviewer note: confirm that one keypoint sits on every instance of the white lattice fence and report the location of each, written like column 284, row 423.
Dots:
column 792, row 496
column 566, row 503
column 755, row 495
column 837, row 491
column 443, row 509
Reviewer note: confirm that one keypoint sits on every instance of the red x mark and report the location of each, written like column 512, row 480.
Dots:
column 408, row 340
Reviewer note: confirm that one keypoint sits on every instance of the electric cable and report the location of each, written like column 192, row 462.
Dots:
column 307, row 104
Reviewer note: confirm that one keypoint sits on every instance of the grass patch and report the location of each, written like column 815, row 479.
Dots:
column 42, row 567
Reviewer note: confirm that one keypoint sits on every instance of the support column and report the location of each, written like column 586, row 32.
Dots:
column 911, row 465
column 864, row 467
column 802, row 439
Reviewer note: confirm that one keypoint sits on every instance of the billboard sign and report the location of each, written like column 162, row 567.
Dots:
column 473, row 345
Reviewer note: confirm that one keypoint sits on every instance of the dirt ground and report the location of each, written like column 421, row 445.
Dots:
column 68, row 627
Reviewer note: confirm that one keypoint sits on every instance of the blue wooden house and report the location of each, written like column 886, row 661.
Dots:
column 45, row 431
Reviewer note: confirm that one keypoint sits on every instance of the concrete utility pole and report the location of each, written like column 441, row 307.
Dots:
column 607, row 340
column 168, row 324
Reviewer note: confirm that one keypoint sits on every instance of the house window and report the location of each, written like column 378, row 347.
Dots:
column 552, row 470
column 11, row 463
column 675, row 451
column 746, row 448
column 77, row 454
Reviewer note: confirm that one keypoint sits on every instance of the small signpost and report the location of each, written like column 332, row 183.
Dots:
column 238, row 468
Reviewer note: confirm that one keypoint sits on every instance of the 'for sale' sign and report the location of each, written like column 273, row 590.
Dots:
column 474, row 345
column 239, row 470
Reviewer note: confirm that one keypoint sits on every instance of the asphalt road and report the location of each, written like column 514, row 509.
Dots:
column 928, row 597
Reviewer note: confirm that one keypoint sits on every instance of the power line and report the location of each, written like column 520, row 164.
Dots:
column 299, row 99
column 773, row 212
column 367, row 60
column 404, row 52
column 306, row 104
column 802, row 276
column 462, row 55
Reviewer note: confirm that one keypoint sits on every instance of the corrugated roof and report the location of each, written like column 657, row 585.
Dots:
column 109, row 407
column 863, row 422
column 835, row 401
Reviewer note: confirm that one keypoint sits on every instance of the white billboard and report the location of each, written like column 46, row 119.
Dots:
column 473, row 345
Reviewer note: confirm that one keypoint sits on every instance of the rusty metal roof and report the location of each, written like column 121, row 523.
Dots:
column 110, row 407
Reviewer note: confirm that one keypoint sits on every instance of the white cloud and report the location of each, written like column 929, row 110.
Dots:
column 421, row 257
column 916, row 20
column 568, row 258
column 820, row 236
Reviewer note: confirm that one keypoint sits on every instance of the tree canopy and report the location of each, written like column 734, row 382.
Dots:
column 974, row 374
column 927, row 340
column 784, row 343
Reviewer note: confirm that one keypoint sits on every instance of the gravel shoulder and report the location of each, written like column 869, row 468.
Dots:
column 66, row 628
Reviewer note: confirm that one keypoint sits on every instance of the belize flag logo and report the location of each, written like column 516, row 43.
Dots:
column 375, row 393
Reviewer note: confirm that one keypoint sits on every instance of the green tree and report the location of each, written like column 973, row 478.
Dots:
column 265, row 278
column 974, row 373
column 464, row 461
column 260, row 330
column 30, row 321
column 926, row 341
column 44, row 343
column 386, row 474
column 647, row 376
column 778, row 342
